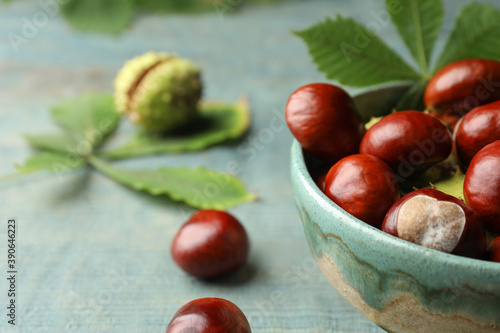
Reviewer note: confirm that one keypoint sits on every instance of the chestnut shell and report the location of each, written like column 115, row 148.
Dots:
column 364, row 186
column 323, row 118
column 482, row 186
column 493, row 250
column 408, row 141
column 211, row 243
column 472, row 243
column 462, row 85
column 478, row 128
column 209, row 315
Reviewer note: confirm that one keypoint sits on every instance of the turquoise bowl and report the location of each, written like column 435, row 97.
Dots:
column 400, row 286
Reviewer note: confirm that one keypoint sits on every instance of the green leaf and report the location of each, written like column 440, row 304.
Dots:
column 218, row 122
column 89, row 118
column 372, row 122
column 346, row 52
column 175, row 6
column 419, row 23
column 200, row 188
column 193, row 6
column 452, row 186
column 53, row 162
column 58, row 143
column 108, row 16
column 413, row 99
column 476, row 34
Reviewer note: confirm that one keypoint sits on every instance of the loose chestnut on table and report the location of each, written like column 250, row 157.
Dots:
column 364, row 186
column 463, row 85
column 211, row 243
column 478, row 128
column 482, row 186
column 408, row 141
column 323, row 118
column 438, row 221
column 209, row 315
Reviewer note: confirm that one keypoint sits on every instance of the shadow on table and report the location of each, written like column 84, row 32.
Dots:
column 236, row 278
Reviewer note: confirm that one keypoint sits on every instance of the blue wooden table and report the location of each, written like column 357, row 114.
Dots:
column 93, row 255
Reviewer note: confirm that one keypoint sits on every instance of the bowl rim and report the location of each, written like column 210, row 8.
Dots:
column 297, row 159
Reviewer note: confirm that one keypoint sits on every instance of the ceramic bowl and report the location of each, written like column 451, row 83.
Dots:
column 400, row 286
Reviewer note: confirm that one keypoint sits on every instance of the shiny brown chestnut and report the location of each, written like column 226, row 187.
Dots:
column 482, row 186
column 493, row 250
column 408, row 141
column 364, row 186
column 209, row 315
column 438, row 221
column 462, row 86
column 478, row 128
column 323, row 118
column 211, row 243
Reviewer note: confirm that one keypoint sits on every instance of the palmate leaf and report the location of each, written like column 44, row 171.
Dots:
column 346, row 52
column 218, row 122
column 200, row 188
column 58, row 143
column 107, row 16
column 175, row 6
column 418, row 23
column 89, row 118
column 413, row 98
column 476, row 34
column 53, row 162
column 193, row 6
column 452, row 186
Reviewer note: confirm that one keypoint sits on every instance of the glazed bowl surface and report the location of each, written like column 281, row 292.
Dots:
column 400, row 286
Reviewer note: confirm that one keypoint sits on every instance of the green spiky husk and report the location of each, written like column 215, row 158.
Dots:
column 158, row 91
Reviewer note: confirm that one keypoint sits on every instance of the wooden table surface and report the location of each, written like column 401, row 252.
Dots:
column 93, row 255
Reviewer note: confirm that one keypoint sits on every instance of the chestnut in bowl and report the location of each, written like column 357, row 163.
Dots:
column 436, row 220
column 400, row 286
column 364, row 186
column 493, row 251
column 323, row 118
column 478, row 128
column 463, row 85
column 408, row 141
column 482, row 186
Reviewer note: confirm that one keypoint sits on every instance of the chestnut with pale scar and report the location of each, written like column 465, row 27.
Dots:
column 438, row 221
column 431, row 223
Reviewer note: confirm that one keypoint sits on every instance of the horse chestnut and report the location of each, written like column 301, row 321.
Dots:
column 209, row 315
column 478, row 128
column 364, row 186
column 438, row 221
column 323, row 119
column 408, row 141
column 493, row 251
column 211, row 243
column 482, row 186
column 463, row 85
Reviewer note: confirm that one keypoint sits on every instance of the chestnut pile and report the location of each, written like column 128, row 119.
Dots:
column 371, row 173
